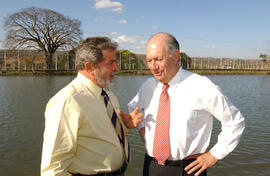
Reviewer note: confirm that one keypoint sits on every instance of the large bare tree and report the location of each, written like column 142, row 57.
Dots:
column 42, row 29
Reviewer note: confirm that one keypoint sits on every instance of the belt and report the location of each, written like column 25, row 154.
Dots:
column 115, row 173
column 180, row 163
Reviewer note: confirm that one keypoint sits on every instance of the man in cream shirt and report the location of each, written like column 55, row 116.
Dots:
column 79, row 136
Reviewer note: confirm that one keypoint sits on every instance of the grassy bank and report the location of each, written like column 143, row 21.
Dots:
column 202, row 72
column 136, row 72
column 36, row 73
column 230, row 72
column 43, row 73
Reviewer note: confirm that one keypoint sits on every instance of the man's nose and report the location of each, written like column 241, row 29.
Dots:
column 153, row 65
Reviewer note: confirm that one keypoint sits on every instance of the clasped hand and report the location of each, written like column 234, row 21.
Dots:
column 133, row 119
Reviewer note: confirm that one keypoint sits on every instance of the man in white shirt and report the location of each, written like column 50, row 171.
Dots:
column 178, row 108
column 84, row 134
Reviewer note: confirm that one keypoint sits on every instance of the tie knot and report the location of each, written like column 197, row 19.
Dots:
column 106, row 97
column 165, row 87
column 103, row 93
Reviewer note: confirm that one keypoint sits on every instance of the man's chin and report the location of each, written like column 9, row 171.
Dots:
column 158, row 77
column 108, row 84
column 111, row 79
column 105, row 83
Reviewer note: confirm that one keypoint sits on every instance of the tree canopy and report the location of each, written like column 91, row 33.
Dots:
column 42, row 29
column 126, row 59
column 263, row 56
column 185, row 60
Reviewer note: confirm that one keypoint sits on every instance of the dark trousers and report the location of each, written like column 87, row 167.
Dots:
column 171, row 168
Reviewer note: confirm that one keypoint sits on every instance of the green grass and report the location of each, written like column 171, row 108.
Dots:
column 230, row 72
column 36, row 73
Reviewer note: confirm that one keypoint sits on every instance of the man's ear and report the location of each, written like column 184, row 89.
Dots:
column 176, row 55
column 89, row 67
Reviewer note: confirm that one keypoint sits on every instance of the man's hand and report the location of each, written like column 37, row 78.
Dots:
column 133, row 119
column 202, row 162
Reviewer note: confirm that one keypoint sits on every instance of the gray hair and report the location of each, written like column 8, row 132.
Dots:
column 91, row 50
column 172, row 43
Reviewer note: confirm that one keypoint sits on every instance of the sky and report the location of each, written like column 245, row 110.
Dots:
column 203, row 28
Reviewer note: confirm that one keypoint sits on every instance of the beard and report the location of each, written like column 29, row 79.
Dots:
column 104, row 82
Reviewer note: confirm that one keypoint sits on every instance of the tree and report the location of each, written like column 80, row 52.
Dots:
column 263, row 56
column 126, row 59
column 185, row 60
column 42, row 29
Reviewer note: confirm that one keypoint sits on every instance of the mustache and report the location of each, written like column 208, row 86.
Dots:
column 113, row 74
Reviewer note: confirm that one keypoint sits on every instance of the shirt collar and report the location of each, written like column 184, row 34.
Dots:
column 175, row 80
column 89, row 84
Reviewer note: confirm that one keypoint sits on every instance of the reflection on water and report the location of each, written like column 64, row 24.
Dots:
column 23, row 100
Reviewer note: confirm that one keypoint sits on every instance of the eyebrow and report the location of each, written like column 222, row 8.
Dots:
column 158, row 57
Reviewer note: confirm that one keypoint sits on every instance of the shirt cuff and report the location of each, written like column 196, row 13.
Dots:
column 219, row 152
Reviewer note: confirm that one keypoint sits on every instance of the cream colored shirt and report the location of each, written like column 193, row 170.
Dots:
column 79, row 136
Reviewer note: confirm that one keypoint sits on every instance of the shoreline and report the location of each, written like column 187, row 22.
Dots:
column 136, row 72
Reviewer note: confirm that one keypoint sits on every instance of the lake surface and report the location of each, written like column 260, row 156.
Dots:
column 23, row 101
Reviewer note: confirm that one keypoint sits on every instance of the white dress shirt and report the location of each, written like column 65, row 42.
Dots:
column 194, row 100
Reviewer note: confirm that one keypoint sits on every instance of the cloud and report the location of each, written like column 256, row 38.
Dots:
column 156, row 28
column 131, row 42
column 128, row 39
column 125, row 39
column 108, row 4
column 99, row 19
column 209, row 44
column 122, row 21
column 113, row 33
column 143, row 42
column 210, row 47
column 139, row 47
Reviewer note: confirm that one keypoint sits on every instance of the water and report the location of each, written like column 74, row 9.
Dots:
column 23, row 101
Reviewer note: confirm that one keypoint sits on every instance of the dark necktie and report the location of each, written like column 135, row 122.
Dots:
column 161, row 146
column 117, row 124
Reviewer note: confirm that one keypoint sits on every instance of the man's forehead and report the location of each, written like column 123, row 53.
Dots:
column 153, row 46
column 108, row 50
column 156, row 47
column 109, row 55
